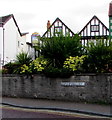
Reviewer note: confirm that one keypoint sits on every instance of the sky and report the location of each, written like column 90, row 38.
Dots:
column 32, row 15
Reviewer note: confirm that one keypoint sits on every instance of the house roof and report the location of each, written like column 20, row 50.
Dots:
column 53, row 25
column 87, row 32
column 28, row 43
column 110, row 9
column 94, row 17
column 5, row 19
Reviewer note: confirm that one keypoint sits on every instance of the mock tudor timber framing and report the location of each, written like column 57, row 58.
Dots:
column 57, row 26
column 94, row 28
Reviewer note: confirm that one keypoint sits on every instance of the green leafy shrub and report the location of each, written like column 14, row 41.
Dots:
column 99, row 57
column 3, row 71
column 57, row 49
column 22, row 59
column 11, row 67
column 25, row 69
column 0, row 71
column 57, row 72
column 35, row 66
column 74, row 63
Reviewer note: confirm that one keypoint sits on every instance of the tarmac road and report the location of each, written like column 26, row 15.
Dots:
column 13, row 112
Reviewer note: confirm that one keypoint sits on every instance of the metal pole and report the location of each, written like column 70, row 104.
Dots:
column 3, row 45
column 35, row 53
column 3, row 40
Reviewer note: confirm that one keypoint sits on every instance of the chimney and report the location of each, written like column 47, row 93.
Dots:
column 48, row 24
column 110, row 10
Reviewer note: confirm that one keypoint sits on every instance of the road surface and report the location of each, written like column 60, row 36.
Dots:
column 14, row 112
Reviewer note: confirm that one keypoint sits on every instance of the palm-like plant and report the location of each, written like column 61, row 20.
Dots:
column 23, row 58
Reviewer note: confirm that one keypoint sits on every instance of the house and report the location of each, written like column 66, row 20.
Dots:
column 110, row 20
column 58, row 26
column 92, row 30
column 12, row 41
column 30, row 50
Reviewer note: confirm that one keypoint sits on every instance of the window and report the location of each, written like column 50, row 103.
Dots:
column 94, row 28
column 22, row 44
column 58, row 30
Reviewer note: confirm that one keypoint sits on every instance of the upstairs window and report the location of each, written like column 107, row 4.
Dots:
column 94, row 28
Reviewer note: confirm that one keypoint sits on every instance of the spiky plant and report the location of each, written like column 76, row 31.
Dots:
column 23, row 58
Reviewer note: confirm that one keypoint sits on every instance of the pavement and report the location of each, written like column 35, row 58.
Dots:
column 85, row 108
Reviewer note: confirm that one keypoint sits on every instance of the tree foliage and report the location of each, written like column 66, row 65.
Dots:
column 57, row 49
column 99, row 56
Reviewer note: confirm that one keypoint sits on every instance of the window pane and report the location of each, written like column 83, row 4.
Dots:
column 94, row 28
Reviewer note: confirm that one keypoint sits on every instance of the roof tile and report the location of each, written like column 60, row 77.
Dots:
column 5, row 19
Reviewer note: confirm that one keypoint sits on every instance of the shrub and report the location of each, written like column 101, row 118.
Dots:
column 25, row 69
column 35, row 66
column 74, row 63
column 11, row 67
column 99, row 57
column 57, row 49
column 3, row 71
column 0, row 71
column 38, row 65
column 57, row 72
column 21, row 60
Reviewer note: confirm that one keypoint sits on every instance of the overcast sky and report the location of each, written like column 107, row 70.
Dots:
column 32, row 15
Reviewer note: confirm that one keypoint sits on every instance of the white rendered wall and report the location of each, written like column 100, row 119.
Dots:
column 10, row 38
column 30, row 51
column 22, row 44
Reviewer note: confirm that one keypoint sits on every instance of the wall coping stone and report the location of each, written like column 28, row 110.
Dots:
column 82, row 74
